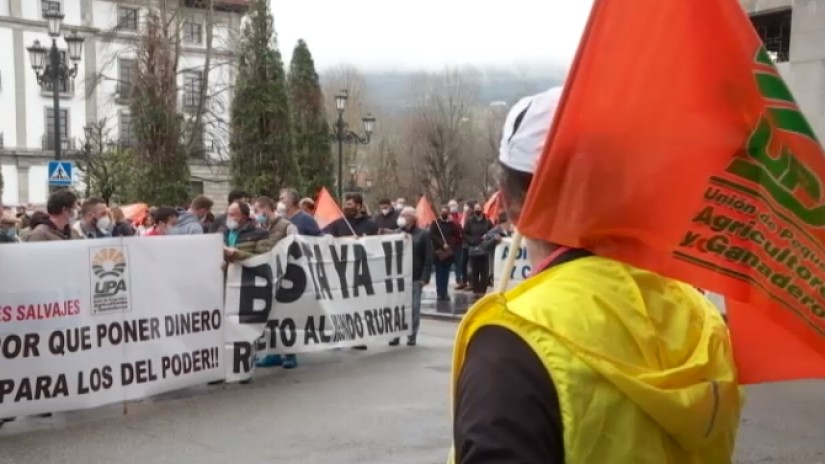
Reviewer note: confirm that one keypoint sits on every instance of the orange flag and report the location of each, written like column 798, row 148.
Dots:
column 693, row 161
column 424, row 211
column 493, row 207
column 326, row 209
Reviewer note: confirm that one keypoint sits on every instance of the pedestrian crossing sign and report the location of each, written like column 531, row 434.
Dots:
column 60, row 173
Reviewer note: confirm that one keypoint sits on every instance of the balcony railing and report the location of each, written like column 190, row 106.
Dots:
column 66, row 144
column 65, row 87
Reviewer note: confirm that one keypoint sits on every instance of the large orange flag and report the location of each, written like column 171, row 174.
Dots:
column 424, row 211
column 326, row 209
column 693, row 160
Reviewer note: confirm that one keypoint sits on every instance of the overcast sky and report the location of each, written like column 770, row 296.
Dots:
column 430, row 34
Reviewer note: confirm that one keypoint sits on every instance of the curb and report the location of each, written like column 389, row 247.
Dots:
column 442, row 316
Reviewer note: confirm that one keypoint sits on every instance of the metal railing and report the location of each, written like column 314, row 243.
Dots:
column 66, row 144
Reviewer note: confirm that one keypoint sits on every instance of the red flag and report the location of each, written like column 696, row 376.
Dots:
column 493, row 207
column 326, row 210
column 695, row 162
column 425, row 213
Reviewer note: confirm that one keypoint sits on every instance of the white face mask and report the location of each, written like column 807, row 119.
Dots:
column 453, row 208
column 281, row 209
column 402, row 222
column 104, row 223
column 385, row 211
column 231, row 224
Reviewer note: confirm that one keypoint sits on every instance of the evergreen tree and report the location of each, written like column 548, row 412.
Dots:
column 262, row 160
column 161, row 162
column 311, row 130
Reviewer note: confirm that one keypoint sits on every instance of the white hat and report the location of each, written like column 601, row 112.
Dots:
column 526, row 128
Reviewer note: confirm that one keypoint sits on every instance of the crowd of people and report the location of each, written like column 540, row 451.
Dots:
column 459, row 240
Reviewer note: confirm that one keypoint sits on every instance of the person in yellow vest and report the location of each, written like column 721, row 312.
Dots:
column 590, row 360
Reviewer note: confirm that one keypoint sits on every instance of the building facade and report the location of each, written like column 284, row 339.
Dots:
column 794, row 34
column 99, row 94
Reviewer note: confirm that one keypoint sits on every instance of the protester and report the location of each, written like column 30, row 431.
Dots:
column 421, row 266
column 474, row 229
column 279, row 227
column 290, row 203
column 207, row 222
column 493, row 238
column 458, row 249
column 446, row 236
column 94, row 220
column 387, row 220
column 241, row 235
column 400, row 204
column 9, row 224
column 308, row 206
column 61, row 209
column 164, row 219
column 354, row 222
column 465, row 251
column 122, row 227
column 234, row 196
column 190, row 222
column 589, row 360
column 38, row 217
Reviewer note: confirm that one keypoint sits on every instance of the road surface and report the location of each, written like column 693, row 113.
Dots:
column 385, row 405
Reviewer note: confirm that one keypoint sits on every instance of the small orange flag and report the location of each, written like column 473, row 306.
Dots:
column 693, row 161
column 493, row 207
column 424, row 211
column 326, row 209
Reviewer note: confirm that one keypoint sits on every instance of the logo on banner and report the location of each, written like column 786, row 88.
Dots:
column 110, row 280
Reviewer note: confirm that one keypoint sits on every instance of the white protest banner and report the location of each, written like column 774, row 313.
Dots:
column 317, row 293
column 521, row 268
column 84, row 323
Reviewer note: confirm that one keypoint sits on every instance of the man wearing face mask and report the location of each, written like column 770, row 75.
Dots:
column 165, row 220
column 8, row 228
column 60, row 208
column 446, row 237
column 94, row 220
column 388, row 217
column 400, row 204
column 290, row 206
column 422, row 266
column 475, row 228
column 190, row 222
column 241, row 235
column 354, row 219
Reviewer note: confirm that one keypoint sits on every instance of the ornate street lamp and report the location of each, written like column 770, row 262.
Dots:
column 342, row 135
column 54, row 71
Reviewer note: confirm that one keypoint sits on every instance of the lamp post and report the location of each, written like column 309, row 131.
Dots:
column 55, row 70
column 342, row 135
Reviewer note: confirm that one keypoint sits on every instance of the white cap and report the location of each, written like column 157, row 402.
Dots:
column 526, row 128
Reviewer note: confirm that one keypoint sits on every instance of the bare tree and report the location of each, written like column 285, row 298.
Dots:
column 347, row 78
column 440, row 130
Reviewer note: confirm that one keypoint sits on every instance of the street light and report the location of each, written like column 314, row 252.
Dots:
column 342, row 135
column 54, row 70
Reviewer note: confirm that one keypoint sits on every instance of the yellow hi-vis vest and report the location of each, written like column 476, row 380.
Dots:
column 642, row 364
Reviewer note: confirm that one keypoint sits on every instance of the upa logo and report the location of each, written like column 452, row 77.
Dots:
column 110, row 280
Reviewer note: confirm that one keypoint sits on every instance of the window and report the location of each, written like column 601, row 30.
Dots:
column 774, row 28
column 50, row 5
column 125, row 135
column 49, row 142
column 64, row 84
column 127, row 18
column 196, row 187
column 192, row 33
column 192, row 84
column 126, row 78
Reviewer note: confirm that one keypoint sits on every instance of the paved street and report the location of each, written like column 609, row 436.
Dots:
column 385, row 405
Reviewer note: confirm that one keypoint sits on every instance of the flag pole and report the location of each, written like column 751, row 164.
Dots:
column 507, row 270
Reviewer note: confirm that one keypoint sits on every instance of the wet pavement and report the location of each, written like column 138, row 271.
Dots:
column 386, row 405
column 458, row 304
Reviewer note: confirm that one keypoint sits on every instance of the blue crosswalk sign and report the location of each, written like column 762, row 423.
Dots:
column 60, row 173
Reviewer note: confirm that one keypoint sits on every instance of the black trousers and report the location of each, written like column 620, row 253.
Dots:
column 479, row 273
column 465, row 260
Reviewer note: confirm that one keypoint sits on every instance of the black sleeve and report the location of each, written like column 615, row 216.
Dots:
column 506, row 406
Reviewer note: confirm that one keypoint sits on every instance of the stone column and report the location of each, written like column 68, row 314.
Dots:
column 22, row 184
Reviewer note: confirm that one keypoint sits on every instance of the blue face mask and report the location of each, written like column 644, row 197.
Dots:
column 10, row 233
column 262, row 218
